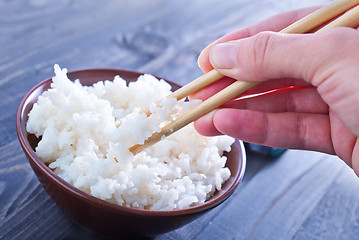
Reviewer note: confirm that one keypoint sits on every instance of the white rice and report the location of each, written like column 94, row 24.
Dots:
column 86, row 133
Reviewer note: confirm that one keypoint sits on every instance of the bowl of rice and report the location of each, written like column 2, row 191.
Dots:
column 75, row 130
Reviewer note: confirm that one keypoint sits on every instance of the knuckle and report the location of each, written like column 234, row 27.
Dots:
column 261, row 48
column 263, row 139
column 302, row 133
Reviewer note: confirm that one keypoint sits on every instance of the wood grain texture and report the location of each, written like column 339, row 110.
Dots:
column 302, row 195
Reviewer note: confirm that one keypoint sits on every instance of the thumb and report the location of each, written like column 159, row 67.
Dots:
column 270, row 55
column 327, row 60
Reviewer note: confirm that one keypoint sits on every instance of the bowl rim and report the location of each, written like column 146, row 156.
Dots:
column 211, row 203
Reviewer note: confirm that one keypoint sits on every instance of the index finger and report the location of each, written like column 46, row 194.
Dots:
column 275, row 23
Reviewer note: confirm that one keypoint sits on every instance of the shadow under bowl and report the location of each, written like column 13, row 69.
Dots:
column 98, row 216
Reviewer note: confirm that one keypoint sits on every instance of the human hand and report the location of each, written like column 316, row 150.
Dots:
column 323, row 115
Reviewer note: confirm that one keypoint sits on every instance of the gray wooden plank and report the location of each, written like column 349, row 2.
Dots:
column 189, row 231
column 275, row 203
column 311, row 198
column 336, row 215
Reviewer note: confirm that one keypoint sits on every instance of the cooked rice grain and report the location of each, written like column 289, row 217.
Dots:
column 86, row 133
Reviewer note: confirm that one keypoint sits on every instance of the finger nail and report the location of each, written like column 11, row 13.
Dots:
column 205, row 125
column 207, row 119
column 209, row 116
column 224, row 55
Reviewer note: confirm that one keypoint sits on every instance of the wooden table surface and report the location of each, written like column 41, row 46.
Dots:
column 301, row 195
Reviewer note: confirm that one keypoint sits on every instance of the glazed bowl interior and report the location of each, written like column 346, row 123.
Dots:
column 96, row 215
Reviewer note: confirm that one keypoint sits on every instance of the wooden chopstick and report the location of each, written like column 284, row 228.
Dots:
column 303, row 25
column 306, row 24
column 192, row 87
column 349, row 19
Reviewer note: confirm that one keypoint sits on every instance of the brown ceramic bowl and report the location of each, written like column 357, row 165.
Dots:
column 101, row 217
